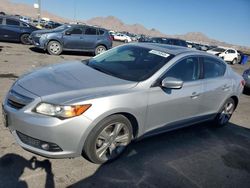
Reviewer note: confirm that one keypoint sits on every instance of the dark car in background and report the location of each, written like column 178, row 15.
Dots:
column 246, row 76
column 12, row 29
column 170, row 41
column 74, row 37
column 52, row 25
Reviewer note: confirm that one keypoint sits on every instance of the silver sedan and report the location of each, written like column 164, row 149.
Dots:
column 94, row 108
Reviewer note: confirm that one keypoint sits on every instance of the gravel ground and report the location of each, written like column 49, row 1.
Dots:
column 197, row 156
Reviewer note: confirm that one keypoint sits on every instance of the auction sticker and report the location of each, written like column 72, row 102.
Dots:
column 162, row 54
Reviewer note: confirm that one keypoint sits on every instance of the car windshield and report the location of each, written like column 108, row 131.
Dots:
column 130, row 62
column 219, row 50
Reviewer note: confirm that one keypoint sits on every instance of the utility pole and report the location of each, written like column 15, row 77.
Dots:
column 39, row 11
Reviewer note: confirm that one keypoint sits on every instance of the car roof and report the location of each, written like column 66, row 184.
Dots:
column 171, row 49
column 73, row 25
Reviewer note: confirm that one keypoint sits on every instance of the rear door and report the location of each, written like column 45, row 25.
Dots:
column 217, row 86
column 91, row 36
column 11, row 30
column 73, row 38
column 169, row 107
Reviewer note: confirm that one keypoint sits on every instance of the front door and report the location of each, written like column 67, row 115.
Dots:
column 73, row 38
column 168, row 107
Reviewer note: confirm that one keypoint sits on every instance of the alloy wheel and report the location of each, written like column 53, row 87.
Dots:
column 100, row 50
column 55, row 48
column 112, row 141
column 226, row 113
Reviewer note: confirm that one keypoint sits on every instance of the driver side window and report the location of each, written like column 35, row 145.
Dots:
column 186, row 70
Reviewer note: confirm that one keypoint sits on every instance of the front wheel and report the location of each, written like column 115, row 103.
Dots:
column 225, row 113
column 54, row 48
column 108, row 139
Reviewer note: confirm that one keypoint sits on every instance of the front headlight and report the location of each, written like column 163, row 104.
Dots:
column 38, row 35
column 61, row 111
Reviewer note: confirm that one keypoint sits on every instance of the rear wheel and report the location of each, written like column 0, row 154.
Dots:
column 108, row 139
column 225, row 113
column 25, row 38
column 54, row 48
column 100, row 49
column 234, row 61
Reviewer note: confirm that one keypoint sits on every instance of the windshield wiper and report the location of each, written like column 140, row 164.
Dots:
column 101, row 70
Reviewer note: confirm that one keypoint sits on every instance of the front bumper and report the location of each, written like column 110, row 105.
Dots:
column 38, row 42
column 68, row 135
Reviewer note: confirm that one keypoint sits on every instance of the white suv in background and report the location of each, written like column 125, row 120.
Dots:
column 122, row 37
column 228, row 54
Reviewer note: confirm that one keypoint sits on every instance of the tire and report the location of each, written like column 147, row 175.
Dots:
column 54, row 48
column 225, row 113
column 234, row 61
column 25, row 38
column 100, row 49
column 126, row 41
column 108, row 139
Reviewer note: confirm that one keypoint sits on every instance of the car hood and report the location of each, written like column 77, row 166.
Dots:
column 44, row 31
column 69, row 81
column 213, row 52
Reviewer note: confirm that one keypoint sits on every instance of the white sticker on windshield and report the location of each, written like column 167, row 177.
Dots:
column 162, row 54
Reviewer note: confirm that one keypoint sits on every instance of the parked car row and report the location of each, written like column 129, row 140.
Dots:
column 88, row 38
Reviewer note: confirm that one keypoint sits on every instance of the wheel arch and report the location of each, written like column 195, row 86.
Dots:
column 236, row 100
column 50, row 40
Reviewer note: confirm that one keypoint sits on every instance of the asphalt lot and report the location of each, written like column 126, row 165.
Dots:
column 197, row 156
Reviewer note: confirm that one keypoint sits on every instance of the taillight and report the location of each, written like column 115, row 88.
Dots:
column 110, row 37
column 242, row 82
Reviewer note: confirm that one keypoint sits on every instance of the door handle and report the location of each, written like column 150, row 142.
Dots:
column 195, row 95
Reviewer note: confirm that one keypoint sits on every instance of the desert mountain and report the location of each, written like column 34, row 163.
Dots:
column 109, row 22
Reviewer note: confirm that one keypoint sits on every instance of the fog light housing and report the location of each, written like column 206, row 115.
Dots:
column 39, row 144
column 45, row 146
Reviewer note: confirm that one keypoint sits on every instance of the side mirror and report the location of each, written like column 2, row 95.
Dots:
column 171, row 83
column 67, row 33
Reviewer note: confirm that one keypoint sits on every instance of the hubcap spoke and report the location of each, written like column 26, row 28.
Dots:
column 122, row 139
column 104, row 135
column 117, row 129
column 102, row 150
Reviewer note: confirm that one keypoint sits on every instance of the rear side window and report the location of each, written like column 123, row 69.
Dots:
column 186, row 70
column 213, row 68
column 12, row 22
column 101, row 32
column 1, row 21
column 90, row 31
column 231, row 51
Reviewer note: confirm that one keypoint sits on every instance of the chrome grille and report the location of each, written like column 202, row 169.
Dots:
column 17, row 101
